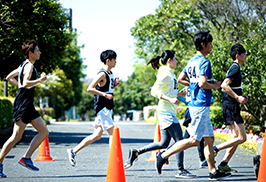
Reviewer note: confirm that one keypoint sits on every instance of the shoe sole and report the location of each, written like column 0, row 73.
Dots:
column 187, row 177
column 69, row 157
column 217, row 179
column 24, row 165
column 127, row 167
column 223, row 171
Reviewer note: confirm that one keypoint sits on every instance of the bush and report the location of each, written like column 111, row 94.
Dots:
column 6, row 111
column 46, row 113
column 216, row 116
column 181, row 112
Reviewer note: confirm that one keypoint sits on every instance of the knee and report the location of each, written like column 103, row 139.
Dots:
column 242, row 139
column 194, row 142
column 97, row 137
column 45, row 133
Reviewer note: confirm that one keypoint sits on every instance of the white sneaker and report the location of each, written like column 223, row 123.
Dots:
column 71, row 157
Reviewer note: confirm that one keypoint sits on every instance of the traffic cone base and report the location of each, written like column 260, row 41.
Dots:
column 157, row 138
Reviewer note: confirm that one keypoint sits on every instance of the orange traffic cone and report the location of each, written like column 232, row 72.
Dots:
column 262, row 169
column 157, row 138
column 44, row 151
column 115, row 171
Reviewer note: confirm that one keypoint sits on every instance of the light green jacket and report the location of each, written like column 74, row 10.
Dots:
column 166, row 84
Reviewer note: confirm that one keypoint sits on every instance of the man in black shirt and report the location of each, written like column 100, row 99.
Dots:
column 232, row 88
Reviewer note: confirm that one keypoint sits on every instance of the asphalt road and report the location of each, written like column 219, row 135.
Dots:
column 92, row 161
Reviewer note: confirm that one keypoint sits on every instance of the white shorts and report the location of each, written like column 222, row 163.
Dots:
column 104, row 118
column 201, row 125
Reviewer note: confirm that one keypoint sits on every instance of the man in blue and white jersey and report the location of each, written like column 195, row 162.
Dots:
column 198, row 71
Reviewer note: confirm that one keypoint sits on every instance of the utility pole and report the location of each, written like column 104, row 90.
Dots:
column 6, row 88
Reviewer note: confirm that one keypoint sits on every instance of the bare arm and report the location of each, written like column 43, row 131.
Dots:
column 27, row 75
column 172, row 100
column 182, row 78
column 11, row 77
column 203, row 83
column 226, row 88
column 97, row 80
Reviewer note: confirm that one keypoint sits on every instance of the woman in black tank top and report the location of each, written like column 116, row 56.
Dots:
column 23, row 108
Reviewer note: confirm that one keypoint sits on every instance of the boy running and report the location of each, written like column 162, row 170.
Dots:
column 102, row 87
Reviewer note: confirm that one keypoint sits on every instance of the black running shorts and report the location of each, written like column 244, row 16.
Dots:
column 231, row 114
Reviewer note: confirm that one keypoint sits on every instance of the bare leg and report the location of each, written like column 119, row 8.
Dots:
column 231, row 145
column 181, row 145
column 97, row 134
column 38, row 124
column 110, row 132
column 209, row 153
column 18, row 130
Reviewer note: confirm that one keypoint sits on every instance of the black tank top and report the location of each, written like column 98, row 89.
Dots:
column 101, row 102
column 25, row 96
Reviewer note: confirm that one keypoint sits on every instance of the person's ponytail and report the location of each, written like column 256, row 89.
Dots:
column 155, row 62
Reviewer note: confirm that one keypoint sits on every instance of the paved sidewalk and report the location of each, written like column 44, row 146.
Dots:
column 92, row 162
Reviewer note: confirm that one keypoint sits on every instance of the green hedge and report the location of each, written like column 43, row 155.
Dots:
column 6, row 111
column 46, row 113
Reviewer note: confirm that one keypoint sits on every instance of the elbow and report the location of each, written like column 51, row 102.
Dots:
column 201, row 85
column 89, row 90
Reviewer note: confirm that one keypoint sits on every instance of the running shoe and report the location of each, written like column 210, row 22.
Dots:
column 185, row 174
column 131, row 158
column 218, row 176
column 204, row 164
column 226, row 169
column 27, row 163
column 2, row 175
column 71, row 157
column 159, row 162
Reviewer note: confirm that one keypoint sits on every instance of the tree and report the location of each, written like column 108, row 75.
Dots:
column 171, row 27
column 85, row 108
column 72, row 66
column 239, row 21
column 43, row 20
column 58, row 88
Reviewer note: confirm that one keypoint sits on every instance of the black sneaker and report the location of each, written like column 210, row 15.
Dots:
column 131, row 158
column 159, row 162
column 218, row 176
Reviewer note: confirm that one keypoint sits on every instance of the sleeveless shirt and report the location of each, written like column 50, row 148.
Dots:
column 99, row 101
column 25, row 96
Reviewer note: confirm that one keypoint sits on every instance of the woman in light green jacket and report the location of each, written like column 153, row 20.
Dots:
column 166, row 89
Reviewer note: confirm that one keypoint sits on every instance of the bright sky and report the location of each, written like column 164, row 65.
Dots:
column 106, row 24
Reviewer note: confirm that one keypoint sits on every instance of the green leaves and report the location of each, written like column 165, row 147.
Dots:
column 43, row 20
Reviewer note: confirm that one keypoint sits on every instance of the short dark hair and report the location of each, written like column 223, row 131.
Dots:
column 28, row 46
column 108, row 54
column 202, row 37
column 236, row 49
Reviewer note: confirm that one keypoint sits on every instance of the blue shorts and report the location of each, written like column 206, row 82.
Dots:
column 201, row 125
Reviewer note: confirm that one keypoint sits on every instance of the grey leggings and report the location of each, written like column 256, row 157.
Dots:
column 174, row 131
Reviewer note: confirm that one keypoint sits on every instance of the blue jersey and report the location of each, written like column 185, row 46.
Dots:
column 197, row 66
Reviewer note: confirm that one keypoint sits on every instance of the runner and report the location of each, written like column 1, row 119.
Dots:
column 232, row 87
column 198, row 70
column 102, row 87
column 23, row 109
column 166, row 89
